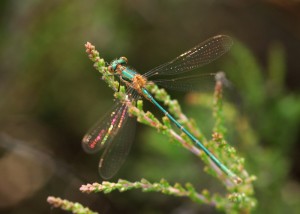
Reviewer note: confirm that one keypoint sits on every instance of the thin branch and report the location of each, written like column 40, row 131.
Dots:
column 75, row 208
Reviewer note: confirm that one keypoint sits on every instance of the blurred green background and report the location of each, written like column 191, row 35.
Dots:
column 50, row 95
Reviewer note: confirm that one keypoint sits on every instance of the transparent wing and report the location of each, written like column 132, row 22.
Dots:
column 196, row 57
column 103, row 132
column 117, row 150
column 203, row 82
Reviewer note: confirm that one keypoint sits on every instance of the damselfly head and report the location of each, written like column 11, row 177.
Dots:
column 115, row 63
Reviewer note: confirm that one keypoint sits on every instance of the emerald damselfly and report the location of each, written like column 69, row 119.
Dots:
column 115, row 132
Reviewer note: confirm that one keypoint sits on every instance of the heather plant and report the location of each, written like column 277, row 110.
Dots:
column 238, row 197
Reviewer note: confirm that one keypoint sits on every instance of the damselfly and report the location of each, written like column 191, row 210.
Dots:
column 111, row 131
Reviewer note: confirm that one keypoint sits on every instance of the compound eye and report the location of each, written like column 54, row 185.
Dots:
column 124, row 59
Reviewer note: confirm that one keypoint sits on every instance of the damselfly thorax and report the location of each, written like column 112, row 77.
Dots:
column 127, row 75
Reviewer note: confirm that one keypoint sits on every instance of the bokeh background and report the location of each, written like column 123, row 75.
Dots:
column 50, row 95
